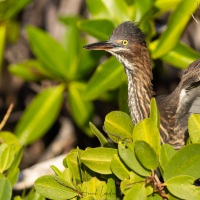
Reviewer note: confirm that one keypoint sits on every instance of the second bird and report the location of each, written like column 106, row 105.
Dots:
column 128, row 45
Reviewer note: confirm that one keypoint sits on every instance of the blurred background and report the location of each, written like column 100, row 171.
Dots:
column 57, row 87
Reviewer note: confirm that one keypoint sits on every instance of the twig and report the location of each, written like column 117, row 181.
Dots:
column 6, row 116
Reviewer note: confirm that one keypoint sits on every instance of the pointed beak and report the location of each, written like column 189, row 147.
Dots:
column 106, row 45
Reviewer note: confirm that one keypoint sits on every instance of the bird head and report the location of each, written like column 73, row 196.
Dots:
column 123, row 39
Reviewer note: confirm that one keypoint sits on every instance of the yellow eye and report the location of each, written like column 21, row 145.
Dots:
column 124, row 42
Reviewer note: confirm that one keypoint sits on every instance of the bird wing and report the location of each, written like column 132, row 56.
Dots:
column 189, row 100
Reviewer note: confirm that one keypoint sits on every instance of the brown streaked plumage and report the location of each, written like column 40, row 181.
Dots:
column 127, row 43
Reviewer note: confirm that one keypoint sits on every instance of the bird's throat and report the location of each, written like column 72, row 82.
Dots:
column 139, row 93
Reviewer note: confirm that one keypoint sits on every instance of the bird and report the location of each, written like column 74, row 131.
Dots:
column 127, row 43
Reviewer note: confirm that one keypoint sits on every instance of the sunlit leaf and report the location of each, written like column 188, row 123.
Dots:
column 119, row 126
column 98, row 159
column 194, row 128
column 5, row 189
column 39, row 115
column 184, row 162
column 106, row 77
column 175, row 27
column 50, row 188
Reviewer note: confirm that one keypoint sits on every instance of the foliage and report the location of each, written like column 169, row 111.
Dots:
column 138, row 157
column 139, row 164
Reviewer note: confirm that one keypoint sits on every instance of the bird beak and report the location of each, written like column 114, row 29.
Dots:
column 106, row 45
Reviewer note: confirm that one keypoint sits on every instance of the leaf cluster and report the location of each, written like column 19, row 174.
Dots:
column 139, row 167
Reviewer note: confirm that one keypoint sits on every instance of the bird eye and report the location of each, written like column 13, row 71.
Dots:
column 124, row 42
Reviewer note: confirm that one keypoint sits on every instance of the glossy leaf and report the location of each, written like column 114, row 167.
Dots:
column 94, row 189
column 146, row 131
column 119, row 10
column 194, row 128
column 107, row 76
column 184, row 162
column 5, row 189
column 137, row 192
column 182, row 187
column 119, row 126
column 50, row 52
column 154, row 113
column 6, row 156
column 180, row 56
column 56, row 170
column 98, row 159
column 50, row 188
column 104, row 142
column 80, row 108
column 175, row 27
column 98, row 28
column 33, row 195
column 39, row 115
column 73, row 163
column 98, row 9
column 166, row 152
column 122, row 97
column 118, row 168
column 127, row 154
column 146, row 155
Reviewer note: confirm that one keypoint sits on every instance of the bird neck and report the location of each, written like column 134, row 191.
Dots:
column 140, row 91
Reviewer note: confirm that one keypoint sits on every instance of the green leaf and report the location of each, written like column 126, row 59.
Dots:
column 118, row 168
column 154, row 196
column 98, row 9
column 80, row 108
column 33, row 195
column 127, row 154
column 175, row 27
column 184, row 162
column 3, row 28
column 166, row 152
column 137, row 192
column 154, row 113
column 50, row 188
column 5, row 189
column 107, row 76
column 72, row 46
column 181, row 186
column 50, row 52
column 13, row 171
column 9, row 9
column 142, row 10
column 73, row 163
column 65, row 183
column 39, row 115
column 98, row 28
column 180, row 56
column 111, row 193
column 120, row 12
column 104, row 142
column 98, row 159
column 146, row 155
column 194, row 128
column 123, row 96
column 94, row 189
column 6, row 156
column 56, row 170
column 11, row 139
column 30, row 70
column 119, row 126
column 146, row 131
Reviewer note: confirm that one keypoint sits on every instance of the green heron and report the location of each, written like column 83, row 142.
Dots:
column 128, row 45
